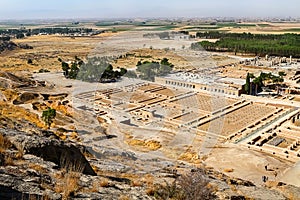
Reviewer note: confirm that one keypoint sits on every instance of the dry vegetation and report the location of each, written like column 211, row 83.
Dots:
column 67, row 180
column 19, row 113
column 143, row 145
column 46, row 51
column 150, row 55
column 192, row 185
column 9, row 158
column 68, row 184
column 4, row 143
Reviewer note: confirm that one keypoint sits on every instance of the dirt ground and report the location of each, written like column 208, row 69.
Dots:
column 240, row 162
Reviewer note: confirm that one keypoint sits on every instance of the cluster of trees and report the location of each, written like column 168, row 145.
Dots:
column 99, row 69
column 21, row 33
column 148, row 70
column 13, row 32
column 60, row 30
column 258, row 44
column 255, row 86
column 96, row 69
column 71, row 71
column 5, row 38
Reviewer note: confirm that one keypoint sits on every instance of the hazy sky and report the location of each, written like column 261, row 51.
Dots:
column 31, row 9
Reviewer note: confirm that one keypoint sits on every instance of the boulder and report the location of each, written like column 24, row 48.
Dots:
column 25, row 98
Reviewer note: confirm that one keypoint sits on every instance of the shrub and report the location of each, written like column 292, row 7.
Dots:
column 29, row 61
column 4, row 143
column 193, row 185
column 43, row 71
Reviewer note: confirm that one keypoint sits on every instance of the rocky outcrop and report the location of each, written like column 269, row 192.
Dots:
column 15, row 188
column 9, row 46
column 48, row 146
column 25, row 97
column 54, row 96
column 9, row 80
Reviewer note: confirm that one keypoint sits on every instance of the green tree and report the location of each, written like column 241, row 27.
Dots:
column 248, row 83
column 247, row 86
column 20, row 35
column 165, row 61
column 48, row 116
column 74, row 71
column 123, row 71
column 65, row 67
column 281, row 74
column 258, row 81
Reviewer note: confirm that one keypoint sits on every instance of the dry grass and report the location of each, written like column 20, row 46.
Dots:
column 98, row 183
column 150, row 191
column 104, row 182
column 68, row 185
column 148, row 180
column 9, row 94
column 4, row 143
column 68, row 178
column 143, row 145
column 20, row 152
column 37, row 167
column 190, row 156
column 19, row 113
column 228, row 170
column 136, row 183
column 95, row 186
column 124, row 197
column 9, row 161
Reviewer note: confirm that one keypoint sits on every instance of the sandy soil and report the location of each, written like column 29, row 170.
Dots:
column 246, row 163
column 292, row 175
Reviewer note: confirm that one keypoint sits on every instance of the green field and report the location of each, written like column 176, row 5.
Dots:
column 202, row 27
column 264, row 25
column 223, row 25
column 293, row 30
